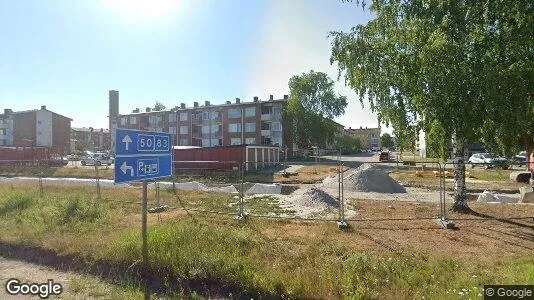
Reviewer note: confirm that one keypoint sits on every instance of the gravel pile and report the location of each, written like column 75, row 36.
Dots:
column 368, row 178
column 260, row 188
column 315, row 199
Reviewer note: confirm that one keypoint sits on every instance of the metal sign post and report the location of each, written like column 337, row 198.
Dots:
column 140, row 156
column 144, row 235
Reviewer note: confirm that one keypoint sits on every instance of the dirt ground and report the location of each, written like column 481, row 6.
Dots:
column 32, row 273
column 479, row 238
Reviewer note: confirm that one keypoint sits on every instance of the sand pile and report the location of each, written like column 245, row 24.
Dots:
column 368, row 178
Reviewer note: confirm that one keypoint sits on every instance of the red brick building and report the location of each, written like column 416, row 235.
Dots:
column 94, row 139
column 233, row 123
column 38, row 128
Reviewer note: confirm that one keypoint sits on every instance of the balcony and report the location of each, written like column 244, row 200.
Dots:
column 213, row 135
column 266, row 117
column 276, row 133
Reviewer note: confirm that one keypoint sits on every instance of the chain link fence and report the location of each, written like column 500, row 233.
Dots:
column 322, row 187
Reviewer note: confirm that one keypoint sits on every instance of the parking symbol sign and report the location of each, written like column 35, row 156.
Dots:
column 142, row 155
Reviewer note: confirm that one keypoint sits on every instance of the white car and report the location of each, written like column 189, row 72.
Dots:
column 488, row 161
column 97, row 159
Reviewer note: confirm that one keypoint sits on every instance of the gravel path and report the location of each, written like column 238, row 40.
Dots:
column 87, row 287
column 27, row 272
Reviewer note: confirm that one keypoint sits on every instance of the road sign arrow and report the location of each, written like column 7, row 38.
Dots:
column 125, row 168
column 126, row 140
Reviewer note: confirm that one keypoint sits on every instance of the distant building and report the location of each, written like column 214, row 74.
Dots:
column 369, row 137
column 38, row 128
column 233, row 123
column 94, row 139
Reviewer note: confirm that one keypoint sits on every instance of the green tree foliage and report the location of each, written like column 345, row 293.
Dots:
column 159, row 106
column 83, row 145
column 437, row 145
column 311, row 106
column 386, row 140
column 466, row 65
column 348, row 144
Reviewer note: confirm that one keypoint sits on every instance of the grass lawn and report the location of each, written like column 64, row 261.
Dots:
column 213, row 255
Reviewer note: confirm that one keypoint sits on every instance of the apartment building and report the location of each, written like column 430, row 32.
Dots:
column 38, row 127
column 369, row 137
column 94, row 139
column 233, row 123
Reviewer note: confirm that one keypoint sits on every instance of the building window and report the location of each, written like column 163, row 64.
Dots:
column 250, row 141
column 215, row 115
column 235, row 141
column 205, row 129
column 184, row 129
column 277, row 142
column 234, row 113
column 133, row 120
column 234, row 127
column 172, row 130
column 172, row 117
column 123, row 121
column 277, row 111
column 206, row 143
column 184, row 142
column 205, row 115
column 250, row 112
column 183, row 116
column 250, row 127
column 214, row 128
column 276, row 126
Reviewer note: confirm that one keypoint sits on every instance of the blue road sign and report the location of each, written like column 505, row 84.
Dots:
column 142, row 155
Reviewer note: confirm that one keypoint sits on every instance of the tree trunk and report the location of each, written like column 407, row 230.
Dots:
column 460, row 193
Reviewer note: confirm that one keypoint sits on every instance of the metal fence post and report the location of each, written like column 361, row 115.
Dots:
column 339, row 179
column 97, row 183
column 342, row 224
column 442, row 219
column 157, row 200
column 241, row 215
column 41, row 184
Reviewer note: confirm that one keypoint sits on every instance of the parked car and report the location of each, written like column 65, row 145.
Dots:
column 520, row 159
column 488, row 161
column 58, row 161
column 97, row 159
column 384, row 156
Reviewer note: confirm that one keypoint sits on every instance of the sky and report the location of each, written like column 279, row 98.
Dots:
column 67, row 55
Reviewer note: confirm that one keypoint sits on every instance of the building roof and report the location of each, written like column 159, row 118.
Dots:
column 361, row 129
column 34, row 110
column 178, row 109
column 88, row 129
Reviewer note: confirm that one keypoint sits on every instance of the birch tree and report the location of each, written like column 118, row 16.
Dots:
column 438, row 62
